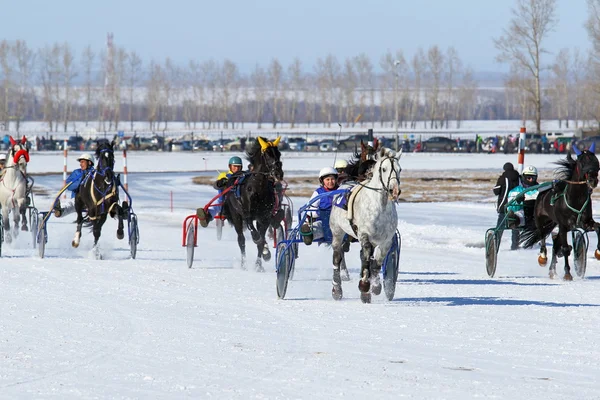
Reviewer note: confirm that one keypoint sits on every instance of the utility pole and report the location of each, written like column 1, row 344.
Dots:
column 396, row 116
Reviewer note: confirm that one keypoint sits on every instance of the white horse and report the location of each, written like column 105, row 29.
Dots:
column 13, row 187
column 373, row 222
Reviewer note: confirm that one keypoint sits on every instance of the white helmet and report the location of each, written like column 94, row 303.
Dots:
column 326, row 172
column 2, row 157
column 530, row 170
column 87, row 157
column 340, row 164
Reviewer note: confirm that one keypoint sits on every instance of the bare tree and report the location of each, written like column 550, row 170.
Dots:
column 87, row 63
column 259, row 83
column 133, row 76
column 68, row 73
column 153, row 93
column 418, row 65
column 348, row 86
column 24, row 58
column 229, row 91
column 6, row 68
column 522, row 43
column 296, row 81
column 578, row 68
column 275, row 76
column 560, row 86
column 435, row 64
column 452, row 66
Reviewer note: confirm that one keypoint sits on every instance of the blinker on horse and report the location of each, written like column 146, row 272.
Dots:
column 567, row 205
column 253, row 198
column 13, row 187
column 98, row 196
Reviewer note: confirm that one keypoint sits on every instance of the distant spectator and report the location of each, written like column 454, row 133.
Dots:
column 243, row 144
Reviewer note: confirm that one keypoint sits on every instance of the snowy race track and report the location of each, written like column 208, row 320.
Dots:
column 73, row 327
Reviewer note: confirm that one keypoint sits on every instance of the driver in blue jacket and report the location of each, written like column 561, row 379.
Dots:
column 86, row 164
column 328, row 177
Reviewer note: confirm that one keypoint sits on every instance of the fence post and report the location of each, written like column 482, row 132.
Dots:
column 125, row 169
column 65, row 152
column 521, row 159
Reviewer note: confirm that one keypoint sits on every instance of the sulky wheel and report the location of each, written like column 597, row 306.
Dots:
column 133, row 236
column 34, row 222
column 491, row 252
column 390, row 270
column 284, row 266
column 41, row 238
column 579, row 253
column 219, row 225
column 189, row 243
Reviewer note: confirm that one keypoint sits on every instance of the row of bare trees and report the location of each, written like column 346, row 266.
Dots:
column 433, row 87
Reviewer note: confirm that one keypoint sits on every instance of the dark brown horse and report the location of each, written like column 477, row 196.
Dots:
column 567, row 205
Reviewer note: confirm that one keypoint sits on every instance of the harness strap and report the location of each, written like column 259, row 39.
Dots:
column 353, row 193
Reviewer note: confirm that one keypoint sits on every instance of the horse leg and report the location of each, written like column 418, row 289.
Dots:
column 6, row 224
column 23, row 211
column 565, row 250
column 555, row 251
column 338, row 261
column 239, row 229
column 262, row 247
column 543, row 256
column 120, row 216
column 253, row 232
column 77, row 237
column 597, row 229
column 364, row 284
column 16, row 220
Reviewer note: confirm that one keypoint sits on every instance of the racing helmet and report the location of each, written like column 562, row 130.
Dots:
column 327, row 171
column 530, row 170
column 235, row 160
column 2, row 157
column 340, row 164
column 87, row 157
column 530, row 173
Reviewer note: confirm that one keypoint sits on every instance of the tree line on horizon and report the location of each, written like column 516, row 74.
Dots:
column 432, row 89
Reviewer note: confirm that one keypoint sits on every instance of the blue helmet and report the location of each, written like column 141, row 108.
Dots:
column 235, row 160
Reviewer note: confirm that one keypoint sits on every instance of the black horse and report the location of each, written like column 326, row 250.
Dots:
column 253, row 197
column 567, row 205
column 359, row 166
column 98, row 196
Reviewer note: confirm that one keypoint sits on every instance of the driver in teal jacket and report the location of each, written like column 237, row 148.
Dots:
column 522, row 208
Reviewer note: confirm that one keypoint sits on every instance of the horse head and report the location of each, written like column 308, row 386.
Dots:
column 586, row 166
column 386, row 172
column 19, row 154
column 105, row 155
column 266, row 157
column 367, row 151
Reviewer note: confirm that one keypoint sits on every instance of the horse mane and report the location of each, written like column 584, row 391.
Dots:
column 566, row 168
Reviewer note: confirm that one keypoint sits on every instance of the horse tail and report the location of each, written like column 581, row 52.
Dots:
column 532, row 234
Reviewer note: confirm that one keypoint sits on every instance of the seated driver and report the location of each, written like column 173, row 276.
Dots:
column 328, row 178
column 235, row 169
column 86, row 164
column 517, row 215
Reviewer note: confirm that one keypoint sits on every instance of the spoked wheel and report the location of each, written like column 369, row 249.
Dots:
column 133, row 236
column 189, row 243
column 219, row 225
column 390, row 272
column 1, row 235
column 579, row 253
column 41, row 238
column 278, row 234
column 34, row 222
column 285, row 263
column 491, row 252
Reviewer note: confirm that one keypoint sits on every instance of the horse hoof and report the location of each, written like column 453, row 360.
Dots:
column 336, row 292
column 551, row 275
column 542, row 261
column 376, row 289
column 597, row 254
column 260, row 268
column 266, row 256
column 345, row 275
column 365, row 298
column 364, row 286
column 75, row 244
column 568, row 277
column 120, row 234
column 24, row 229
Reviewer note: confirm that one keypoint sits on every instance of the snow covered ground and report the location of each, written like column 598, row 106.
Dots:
column 74, row 327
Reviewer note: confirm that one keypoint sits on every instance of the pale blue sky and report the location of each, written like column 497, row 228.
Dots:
column 254, row 31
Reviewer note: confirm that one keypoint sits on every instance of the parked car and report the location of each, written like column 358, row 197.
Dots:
column 327, row 145
column 202, row 145
column 218, row 145
column 352, row 142
column 534, row 142
column 75, row 143
column 439, row 143
column 296, row 144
